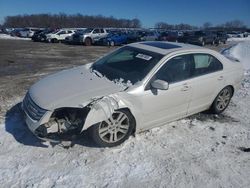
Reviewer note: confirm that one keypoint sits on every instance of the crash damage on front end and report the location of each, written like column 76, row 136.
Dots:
column 67, row 117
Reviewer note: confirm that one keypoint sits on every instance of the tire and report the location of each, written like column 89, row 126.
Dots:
column 110, row 133
column 88, row 42
column 54, row 40
column 112, row 43
column 222, row 100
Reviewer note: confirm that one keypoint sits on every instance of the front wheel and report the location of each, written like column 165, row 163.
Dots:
column 222, row 100
column 113, row 131
column 88, row 42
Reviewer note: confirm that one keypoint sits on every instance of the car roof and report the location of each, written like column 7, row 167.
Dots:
column 165, row 48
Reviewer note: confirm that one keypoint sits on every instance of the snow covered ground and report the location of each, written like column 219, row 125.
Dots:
column 238, row 39
column 5, row 36
column 240, row 51
column 200, row 151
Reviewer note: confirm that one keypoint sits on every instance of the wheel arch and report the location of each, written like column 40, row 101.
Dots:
column 132, row 115
column 88, row 38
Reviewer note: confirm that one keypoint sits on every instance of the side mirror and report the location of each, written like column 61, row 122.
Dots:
column 160, row 84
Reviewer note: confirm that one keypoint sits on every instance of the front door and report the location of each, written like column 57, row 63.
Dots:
column 161, row 106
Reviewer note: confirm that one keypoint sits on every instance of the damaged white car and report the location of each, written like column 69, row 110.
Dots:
column 134, row 88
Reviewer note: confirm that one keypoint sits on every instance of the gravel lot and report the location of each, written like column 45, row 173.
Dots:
column 24, row 62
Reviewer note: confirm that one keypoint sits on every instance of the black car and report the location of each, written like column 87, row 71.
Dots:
column 221, row 37
column 40, row 36
column 202, row 38
column 77, row 37
column 184, row 37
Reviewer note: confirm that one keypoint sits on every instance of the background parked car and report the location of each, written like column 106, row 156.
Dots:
column 134, row 36
column 92, row 35
column 76, row 38
column 114, row 39
column 59, row 35
column 184, row 37
column 150, row 36
column 202, row 38
column 221, row 37
column 245, row 34
column 16, row 32
column 41, row 36
column 28, row 32
column 168, row 36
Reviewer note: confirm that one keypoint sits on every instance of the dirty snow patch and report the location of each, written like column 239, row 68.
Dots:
column 5, row 36
column 238, row 39
column 240, row 51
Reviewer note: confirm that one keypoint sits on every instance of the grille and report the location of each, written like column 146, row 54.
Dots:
column 33, row 110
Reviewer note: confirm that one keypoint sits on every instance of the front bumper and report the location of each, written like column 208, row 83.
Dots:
column 34, row 124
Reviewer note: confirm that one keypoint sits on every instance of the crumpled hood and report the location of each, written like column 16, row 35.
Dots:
column 71, row 88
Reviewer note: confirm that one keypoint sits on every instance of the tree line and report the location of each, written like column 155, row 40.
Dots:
column 63, row 20
column 68, row 21
column 233, row 25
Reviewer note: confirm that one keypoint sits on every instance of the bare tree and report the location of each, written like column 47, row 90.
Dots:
column 207, row 25
column 63, row 20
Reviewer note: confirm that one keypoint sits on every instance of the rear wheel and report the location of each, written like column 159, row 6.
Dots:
column 222, row 100
column 54, row 40
column 112, row 43
column 88, row 42
column 113, row 131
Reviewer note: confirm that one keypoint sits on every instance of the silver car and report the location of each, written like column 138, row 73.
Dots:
column 135, row 88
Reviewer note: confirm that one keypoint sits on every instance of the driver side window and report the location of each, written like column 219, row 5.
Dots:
column 175, row 70
column 62, row 32
column 96, row 31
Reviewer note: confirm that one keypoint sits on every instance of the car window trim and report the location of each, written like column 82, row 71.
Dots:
column 148, row 81
column 208, row 72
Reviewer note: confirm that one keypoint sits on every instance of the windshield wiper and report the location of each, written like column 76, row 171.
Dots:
column 97, row 73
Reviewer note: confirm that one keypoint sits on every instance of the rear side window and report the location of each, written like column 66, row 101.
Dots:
column 204, row 64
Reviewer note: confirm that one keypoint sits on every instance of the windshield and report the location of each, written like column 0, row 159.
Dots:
column 128, row 64
column 56, row 31
column 80, row 31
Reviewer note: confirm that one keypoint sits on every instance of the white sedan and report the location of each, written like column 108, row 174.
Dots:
column 135, row 88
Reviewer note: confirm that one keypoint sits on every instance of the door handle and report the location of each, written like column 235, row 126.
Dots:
column 185, row 87
column 220, row 78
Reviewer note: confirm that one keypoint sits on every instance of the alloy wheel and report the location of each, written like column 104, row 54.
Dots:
column 223, row 99
column 115, row 128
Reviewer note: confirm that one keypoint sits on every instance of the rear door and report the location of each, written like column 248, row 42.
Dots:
column 96, row 34
column 61, row 35
column 208, row 80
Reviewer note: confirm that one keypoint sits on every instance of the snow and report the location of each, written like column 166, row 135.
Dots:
column 238, row 39
column 5, row 36
column 199, row 151
column 240, row 51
